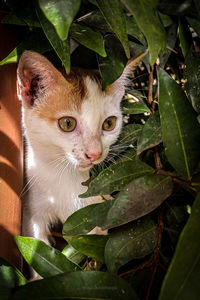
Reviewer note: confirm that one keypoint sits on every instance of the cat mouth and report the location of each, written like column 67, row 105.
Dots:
column 85, row 165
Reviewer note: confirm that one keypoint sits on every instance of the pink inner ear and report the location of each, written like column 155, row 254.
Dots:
column 28, row 87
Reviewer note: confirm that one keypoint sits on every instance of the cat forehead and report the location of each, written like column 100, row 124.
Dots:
column 71, row 94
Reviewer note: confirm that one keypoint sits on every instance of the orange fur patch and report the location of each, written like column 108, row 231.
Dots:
column 67, row 94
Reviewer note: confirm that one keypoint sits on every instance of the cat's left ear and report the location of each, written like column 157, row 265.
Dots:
column 118, row 87
column 36, row 77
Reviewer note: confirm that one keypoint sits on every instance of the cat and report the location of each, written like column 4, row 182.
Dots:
column 69, row 125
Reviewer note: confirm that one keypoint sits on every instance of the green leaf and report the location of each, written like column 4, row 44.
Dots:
column 73, row 255
column 61, row 14
column 85, row 219
column 134, row 242
column 91, row 245
column 134, row 31
column 151, row 134
column 45, row 260
column 88, row 38
column 27, row 20
column 113, row 13
column 112, row 66
column 184, row 36
column 135, row 108
column 116, row 177
column 78, row 285
column 36, row 42
column 147, row 19
column 171, row 41
column 61, row 47
column 182, row 278
column 192, row 74
column 180, row 129
column 130, row 134
column 95, row 19
column 139, row 198
column 18, row 276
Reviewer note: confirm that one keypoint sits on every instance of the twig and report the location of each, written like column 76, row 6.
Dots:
column 155, row 262
column 150, row 87
column 157, row 159
column 145, row 265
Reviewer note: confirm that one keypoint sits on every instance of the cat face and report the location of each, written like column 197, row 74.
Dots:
column 69, row 116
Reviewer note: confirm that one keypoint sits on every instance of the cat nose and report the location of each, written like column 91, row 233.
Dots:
column 92, row 156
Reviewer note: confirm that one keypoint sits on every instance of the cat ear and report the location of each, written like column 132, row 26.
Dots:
column 118, row 87
column 35, row 78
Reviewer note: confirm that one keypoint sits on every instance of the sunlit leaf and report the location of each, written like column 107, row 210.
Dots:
column 182, row 279
column 18, row 276
column 78, row 285
column 146, row 17
column 61, row 47
column 36, row 42
column 113, row 13
column 91, row 245
column 135, row 108
column 61, row 14
column 46, row 260
column 73, row 255
column 132, row 243
column 180, row 129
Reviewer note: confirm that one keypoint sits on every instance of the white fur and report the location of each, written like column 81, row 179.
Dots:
column 56, row 164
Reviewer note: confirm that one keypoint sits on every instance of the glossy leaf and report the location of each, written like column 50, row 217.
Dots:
column 180, row 129
column 135, row 108
column 146, row 17
column 139, row 198
column 73, row 255
column 36, row 42
column 45, row 260
column 61, row 47
column 16, row 274
column 91, row 245
column 116, row 177
column 85, row 219
column 112, row 66
column 88, row 38
column 151, row 134
column 192, row 85
column 113, row 13
column 182, row 279
column 78, row 285
column 61, row 14
column 134, row 242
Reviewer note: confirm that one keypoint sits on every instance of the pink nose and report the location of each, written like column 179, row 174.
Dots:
column 92, row 156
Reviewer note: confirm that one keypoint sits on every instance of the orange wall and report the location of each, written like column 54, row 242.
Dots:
column 11, row 154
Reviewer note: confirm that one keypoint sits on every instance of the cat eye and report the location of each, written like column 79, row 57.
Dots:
column 67, row 124
column 109, row 123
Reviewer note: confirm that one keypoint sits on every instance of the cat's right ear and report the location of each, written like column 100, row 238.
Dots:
column 35, row 78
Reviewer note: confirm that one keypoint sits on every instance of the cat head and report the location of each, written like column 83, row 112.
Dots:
column 69, row 116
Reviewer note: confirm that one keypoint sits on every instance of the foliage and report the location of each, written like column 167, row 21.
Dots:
column 152, row 248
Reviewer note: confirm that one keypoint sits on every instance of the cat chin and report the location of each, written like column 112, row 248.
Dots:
column 85, row 167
